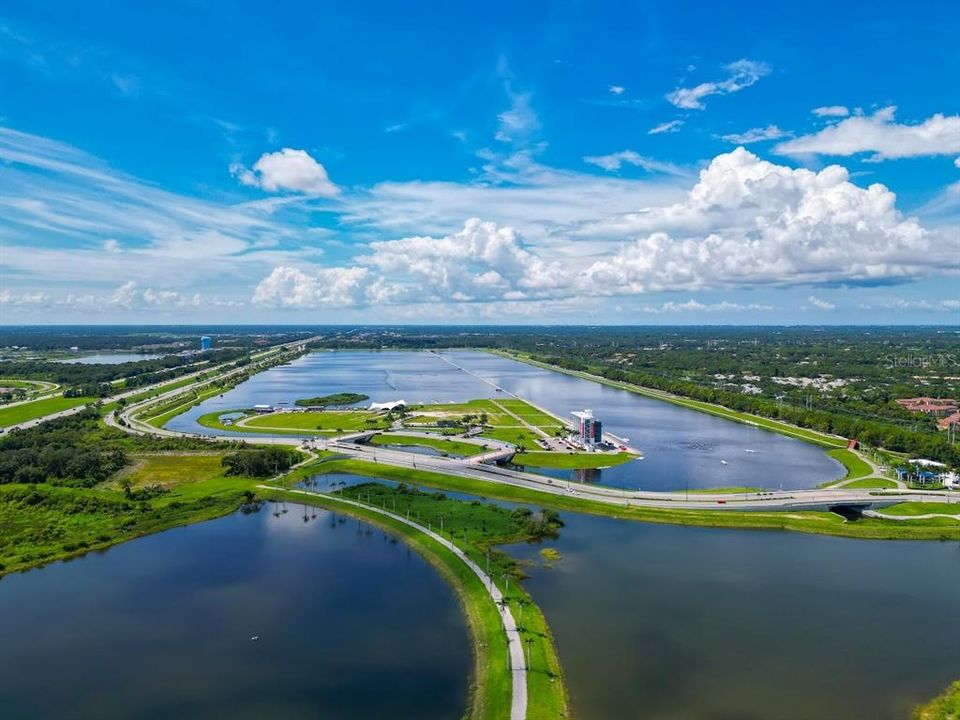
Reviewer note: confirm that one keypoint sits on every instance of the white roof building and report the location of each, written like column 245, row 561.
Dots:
column 388, row 406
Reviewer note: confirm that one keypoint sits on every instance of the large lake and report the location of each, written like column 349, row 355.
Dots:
column 682, row 448
column 352, row 625
column 663, row 623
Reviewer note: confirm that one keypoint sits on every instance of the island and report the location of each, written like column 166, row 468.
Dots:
column 343, row 398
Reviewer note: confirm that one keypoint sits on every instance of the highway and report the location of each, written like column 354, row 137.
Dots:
column 149, row 388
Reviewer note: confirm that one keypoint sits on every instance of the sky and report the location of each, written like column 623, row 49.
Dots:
column 495, row 163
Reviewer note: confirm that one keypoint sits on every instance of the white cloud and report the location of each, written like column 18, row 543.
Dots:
column 770, row 132
column 27, row 299
column 112, row 246
column 667, row 127
column 956, row 162
column 127, row 297
column 697, row 306
column 291, row 287
column 742, row 74
column 949, row 305
column 617, row 90
column 616, row 160
column 749, row 222
column 880, row 135
column 519, row 122
column 831, row 111
column 820, row 303
column 287, row 169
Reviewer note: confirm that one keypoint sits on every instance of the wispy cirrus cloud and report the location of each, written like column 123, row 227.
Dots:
column 740, row 75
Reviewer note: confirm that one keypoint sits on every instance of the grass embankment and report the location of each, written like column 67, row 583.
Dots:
column 824, row 523
column 775, row 425
column 943, row 707
column 474, row 528
column 508, row 419
column 912, row 509
column 39, row 408
column 160, row 414
column 856, row 466
column 876, row 483
column 571, row 460
column 451, row 447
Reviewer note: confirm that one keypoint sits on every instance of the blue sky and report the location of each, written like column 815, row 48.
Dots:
column 494, row 163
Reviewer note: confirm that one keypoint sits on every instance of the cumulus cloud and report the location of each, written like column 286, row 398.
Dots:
column 617, row 90
column 751, row 222
column 770, row 132
column 667, row 127
column 741, row 74
column 287, row 169
column 616, row 160
column 880, row 135
column 292, row 287
column 482, row 261
column 831, row 111
column 820, row 303
column 956, row 162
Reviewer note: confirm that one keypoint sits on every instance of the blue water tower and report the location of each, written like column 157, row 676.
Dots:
column 206, row 343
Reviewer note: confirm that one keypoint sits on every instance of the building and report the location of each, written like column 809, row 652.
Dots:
column 589, row 429
column 935, row 407
column 263, row 409
column 206, row 343
column 388, row 406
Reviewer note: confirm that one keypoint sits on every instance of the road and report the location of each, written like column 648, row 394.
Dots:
column 149, row 388
column 518, row 665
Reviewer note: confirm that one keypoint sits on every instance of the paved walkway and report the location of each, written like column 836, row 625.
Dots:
column 518, row 703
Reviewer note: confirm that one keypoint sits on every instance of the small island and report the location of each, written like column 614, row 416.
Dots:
column 345, row 398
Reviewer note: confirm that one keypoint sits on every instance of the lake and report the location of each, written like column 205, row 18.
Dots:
column 352, row 624
column 682, row 448
column 110, row 358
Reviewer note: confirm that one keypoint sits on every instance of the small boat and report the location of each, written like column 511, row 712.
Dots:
column 255, row 638
column 723, row 462
column 749, row 450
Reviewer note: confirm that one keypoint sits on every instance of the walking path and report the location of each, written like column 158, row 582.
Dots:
column 518, row 703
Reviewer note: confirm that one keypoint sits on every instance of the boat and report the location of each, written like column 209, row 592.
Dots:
column 723, row 462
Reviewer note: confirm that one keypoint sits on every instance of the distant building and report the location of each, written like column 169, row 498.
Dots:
column 931, row 406
column 206, row 343
column 388, row 406
column 589, row 428
column 263, row 409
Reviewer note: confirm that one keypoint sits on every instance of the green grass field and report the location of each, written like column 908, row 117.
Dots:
column 332, row 420
column 451, row 447
column 571, row 460
column 867, row 483
column 38, row 408
column 173, row 469
column 922, row 508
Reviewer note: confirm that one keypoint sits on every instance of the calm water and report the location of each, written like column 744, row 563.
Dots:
column 682, row 448
column 352, row 625
column 670, row 623
column 110, row 358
